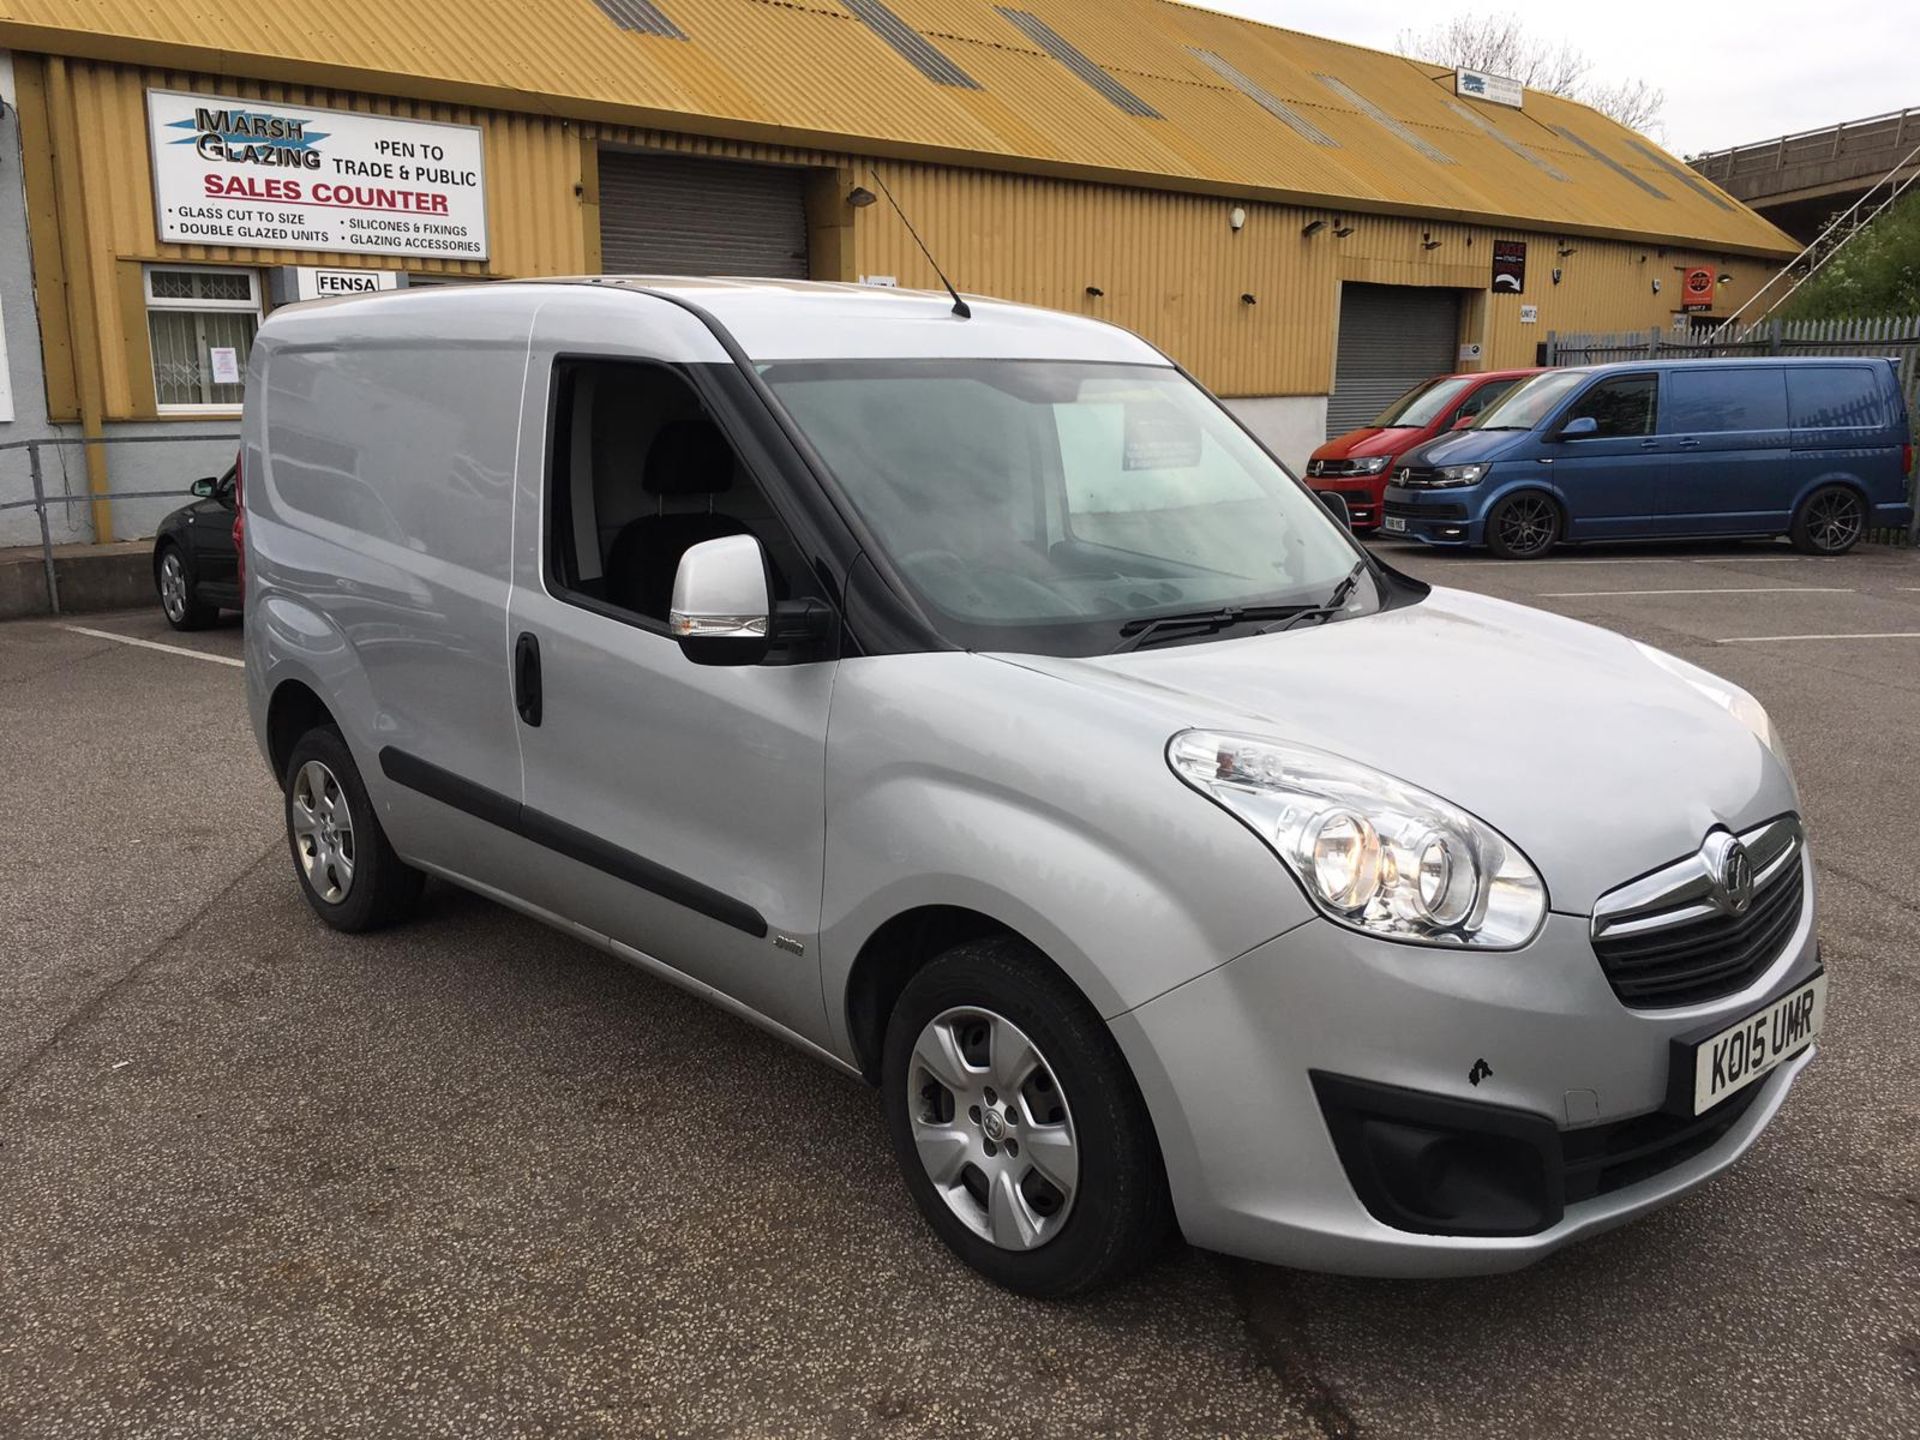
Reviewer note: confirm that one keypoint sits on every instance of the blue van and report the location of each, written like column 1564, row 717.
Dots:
column 1815, row 449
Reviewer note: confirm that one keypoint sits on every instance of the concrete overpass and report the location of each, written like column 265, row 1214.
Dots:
column 1800, row 181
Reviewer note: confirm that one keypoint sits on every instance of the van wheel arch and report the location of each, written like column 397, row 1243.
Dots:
column 292, row 712
column 891, row 957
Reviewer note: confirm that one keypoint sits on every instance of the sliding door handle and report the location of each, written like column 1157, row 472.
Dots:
column 526, row 677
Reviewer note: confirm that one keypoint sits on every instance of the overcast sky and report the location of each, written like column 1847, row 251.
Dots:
column 1733, row 70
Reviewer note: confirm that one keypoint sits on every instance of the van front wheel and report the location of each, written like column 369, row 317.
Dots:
column 1831, row 521
column 1017, row 1123
column 1524, row 526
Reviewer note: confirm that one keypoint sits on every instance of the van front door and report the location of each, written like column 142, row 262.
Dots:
column 1611, row 473
column 1729, row 475
column 678, row 809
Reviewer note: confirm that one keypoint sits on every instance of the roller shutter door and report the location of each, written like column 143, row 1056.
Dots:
column 686, row 215
column 1391, row 338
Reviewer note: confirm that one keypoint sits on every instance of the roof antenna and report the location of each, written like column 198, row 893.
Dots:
column 959, row 305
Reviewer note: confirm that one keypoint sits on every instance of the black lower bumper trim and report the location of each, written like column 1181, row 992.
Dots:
column 1435, row 1165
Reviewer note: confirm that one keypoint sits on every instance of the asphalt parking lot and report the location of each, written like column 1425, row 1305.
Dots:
column 470, row 1178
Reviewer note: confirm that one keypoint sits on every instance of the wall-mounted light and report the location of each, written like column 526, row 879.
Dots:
column 1556, row 274
column 860, row 197
column 1248, row 300
column 1313, row 227
column 1236, row 217
column 1566, row 250
column 1427, row 242
column 1725, row 278
column 1341, row 229
column 1095, row 291
column 1656, row 284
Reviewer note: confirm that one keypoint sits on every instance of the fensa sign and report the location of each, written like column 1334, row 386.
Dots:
column 296, row 177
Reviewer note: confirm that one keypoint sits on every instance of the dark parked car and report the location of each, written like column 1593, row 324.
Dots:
column 196, row 565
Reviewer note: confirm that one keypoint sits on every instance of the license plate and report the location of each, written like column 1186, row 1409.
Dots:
column 1394, row 522
column 1733, row 1058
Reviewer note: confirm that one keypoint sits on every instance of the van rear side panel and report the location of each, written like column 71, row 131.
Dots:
column 1850, row 426
column 381, row 511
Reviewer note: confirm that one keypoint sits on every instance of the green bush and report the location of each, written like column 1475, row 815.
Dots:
column 1878, row 273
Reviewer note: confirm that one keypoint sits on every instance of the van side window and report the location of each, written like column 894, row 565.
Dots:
column 1714, row 401
column 639, row 474
column 1620, row 407
column 1835, row 397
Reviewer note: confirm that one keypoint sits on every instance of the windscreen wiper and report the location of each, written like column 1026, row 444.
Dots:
column 1136, row 633
column 1332, row 605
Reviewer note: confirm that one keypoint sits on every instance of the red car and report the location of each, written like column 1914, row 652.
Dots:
column 1357, row 465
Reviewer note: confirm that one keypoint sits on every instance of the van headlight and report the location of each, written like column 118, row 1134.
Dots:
column 1445, row 477
column 1371, row 464
column 1373, row 853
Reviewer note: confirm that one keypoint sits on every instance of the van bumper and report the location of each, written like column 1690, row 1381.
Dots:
column 1446, row 518
column 1894, row 516
column 1523, row 1061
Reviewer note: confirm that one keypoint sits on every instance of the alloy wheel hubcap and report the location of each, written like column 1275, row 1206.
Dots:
column 323, row 832
column 992, row 1128
column 1835, row 522
column 1527, row 525
column 173, row 587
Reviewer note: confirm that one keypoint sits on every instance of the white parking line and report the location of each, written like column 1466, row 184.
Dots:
column 156, row 645
column 1768, row 639
column 1710, row 590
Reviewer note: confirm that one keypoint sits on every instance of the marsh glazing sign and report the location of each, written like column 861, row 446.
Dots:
column 1479, row 85
column 296, row 177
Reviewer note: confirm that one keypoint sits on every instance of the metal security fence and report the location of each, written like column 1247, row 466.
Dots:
column 1895, row 337
column 43, row 502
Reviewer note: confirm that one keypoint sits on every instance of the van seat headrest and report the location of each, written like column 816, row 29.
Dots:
column 689, row 457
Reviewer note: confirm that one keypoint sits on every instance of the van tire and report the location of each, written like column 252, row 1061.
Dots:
column 1119, row 1214
column 323, row 784
column 1524, row 526
column 1830, row 521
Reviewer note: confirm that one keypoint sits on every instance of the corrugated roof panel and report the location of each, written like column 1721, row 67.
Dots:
column 641, row 16
column 1264, row 98
column 1685, row 177
column 1614, row 165
column 1387, row 122
column 1476, row 118
column 913, row 47
column 808, row 73
column 1050, row 40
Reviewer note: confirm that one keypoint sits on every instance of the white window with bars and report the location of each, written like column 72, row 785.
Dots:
column 192, row 311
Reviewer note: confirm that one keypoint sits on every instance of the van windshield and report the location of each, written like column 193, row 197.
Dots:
column 1055, row 506
column 1425, row 403
column 1532, row 401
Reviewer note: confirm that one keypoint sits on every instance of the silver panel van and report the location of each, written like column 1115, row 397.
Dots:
column 972, row 702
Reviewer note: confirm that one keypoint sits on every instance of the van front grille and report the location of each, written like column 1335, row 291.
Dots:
column 1679, row 938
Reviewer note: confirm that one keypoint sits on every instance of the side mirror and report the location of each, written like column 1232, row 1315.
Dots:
column 722, row 602
column 1578, row 427
column 1336, row 504
column 1461, row 422
column 204, row 487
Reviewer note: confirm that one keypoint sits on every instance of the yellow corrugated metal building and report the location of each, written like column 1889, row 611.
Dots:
column 1225, row 188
